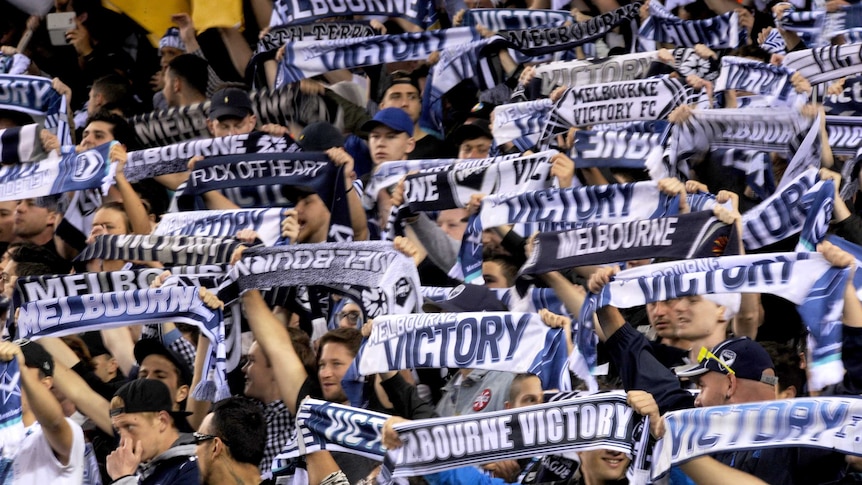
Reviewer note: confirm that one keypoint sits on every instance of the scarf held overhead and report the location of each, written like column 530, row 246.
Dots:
column 56, row 174
column 829, row 423
column 511, row 342
column 687, row 236
column 601, row 421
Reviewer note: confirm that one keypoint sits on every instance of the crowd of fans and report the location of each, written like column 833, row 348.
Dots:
column 116, row 405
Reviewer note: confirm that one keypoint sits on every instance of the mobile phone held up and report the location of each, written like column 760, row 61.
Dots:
column 58, row 24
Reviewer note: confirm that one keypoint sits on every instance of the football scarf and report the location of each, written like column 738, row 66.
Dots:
column 756, row 77
column 821, row 422
column 267, row 223
column 389, row 173
column 309, row 58
column 439, row 444
column 522, row 124
column 175, row 250
column 389, row 279
column 625, row 149
column 828, row 63
column 805, row 279
column 57, row 174
column 35, row 96
column 703, row 235
column 292, row 12
column 510, row 342
column 719, row 32
column 496, row 19
column 21, row 144
column 174, row 158
column 314, row 31
column 593, row 71
column 542, row 40
column 780, row 216
column 10, row 418
column 453, row 186
column 57, row 317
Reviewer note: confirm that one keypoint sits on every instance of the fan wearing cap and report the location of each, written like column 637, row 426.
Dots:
column 735, row 371
column 231, row 113
column 403, row 93
column 53, row 449
column 152, row 449
column 157, row 362
column 473, row 139
column 390, row 136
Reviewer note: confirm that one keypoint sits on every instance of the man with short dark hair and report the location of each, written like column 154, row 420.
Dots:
column 109, row 93
column 230, row 443
column 185, row 81
column 157, row 362
column 403, row 93
column 152, row 450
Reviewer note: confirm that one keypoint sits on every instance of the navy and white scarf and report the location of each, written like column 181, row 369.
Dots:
column 267, row 223
column 14, row 64
column 453, row 186
column 57, row 174
column 456, row 64
column 539, row 41
column 719, row 32
column 496, row 19
column 511, row 342
column 291, row 12
column 823, row 64
column 175, row 250
column 848, row 103
column 390, row 173
column 809, row 25
column 774, row 43
column 639, row 100
column 626, row 149
column 308, row 58
column 322, row 425
column 780, row 216
column 806, row 279
column 601, row 421
column 523, row 124
column 529, row 300
column 694, row 235
column 388, row 278
column 21, row 144
column 758, row 78
column 593, row 71
column 316, row 31
column 279, row 106
column 174, row 158
column 57, row 317
column 35, row 96
column 822, row 422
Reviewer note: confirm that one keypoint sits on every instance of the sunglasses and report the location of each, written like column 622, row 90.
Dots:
column 198, row 438
column 353, row 316
column 705, row 354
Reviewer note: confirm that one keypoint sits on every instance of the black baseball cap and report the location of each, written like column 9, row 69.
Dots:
column 740, row 356
column 471, row 131
column 36, row 357
column 320, row 136
column 147, row 396
column 150, row 346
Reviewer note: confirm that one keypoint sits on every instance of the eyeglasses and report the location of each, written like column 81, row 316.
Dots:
column 705, row 354
column 353, row 316
column 198, row 438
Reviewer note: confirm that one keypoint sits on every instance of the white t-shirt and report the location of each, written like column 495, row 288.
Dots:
column 36, row 462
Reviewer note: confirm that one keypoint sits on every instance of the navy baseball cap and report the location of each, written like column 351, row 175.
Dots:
column 320, row 136
column 740, row 356
column 232, row 102
column 394, row 118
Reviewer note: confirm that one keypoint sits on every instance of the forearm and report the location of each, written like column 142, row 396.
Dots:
column 121, row 345
column 134, row 207
column 273, row 338
column 357, row 216
column 86, row 400
column 705, row 470
column 750, row 316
